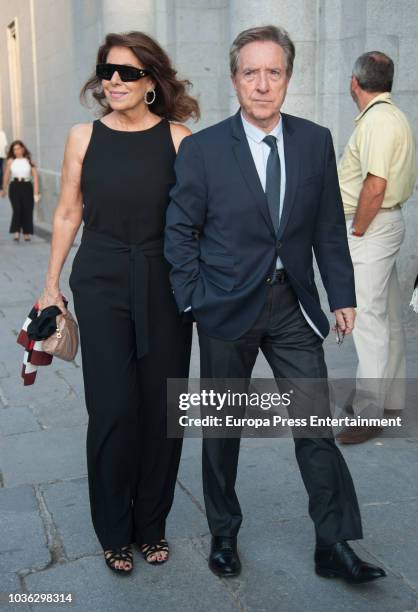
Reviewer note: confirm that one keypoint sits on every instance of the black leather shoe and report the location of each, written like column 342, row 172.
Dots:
column 223, row 558
column 340, row 561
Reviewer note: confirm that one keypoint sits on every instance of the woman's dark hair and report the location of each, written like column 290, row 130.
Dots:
column 26, row 152
column 171, row 100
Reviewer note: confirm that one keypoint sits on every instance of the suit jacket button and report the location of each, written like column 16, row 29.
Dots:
column 268, row 280
column 279, row 245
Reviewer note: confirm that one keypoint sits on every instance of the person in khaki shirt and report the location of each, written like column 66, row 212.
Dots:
column 377, row 174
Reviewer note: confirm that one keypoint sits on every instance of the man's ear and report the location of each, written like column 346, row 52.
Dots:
column 354, row 82
column 233, row 81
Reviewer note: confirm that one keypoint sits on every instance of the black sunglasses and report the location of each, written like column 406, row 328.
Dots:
column 126, row 73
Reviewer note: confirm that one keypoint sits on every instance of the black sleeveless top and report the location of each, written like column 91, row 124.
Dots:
column 125, row 181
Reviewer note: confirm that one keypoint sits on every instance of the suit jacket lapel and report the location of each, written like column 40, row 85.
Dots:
column 292, row 161
column 246, row 163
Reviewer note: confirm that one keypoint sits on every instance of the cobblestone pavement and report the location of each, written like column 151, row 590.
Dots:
column 47, row 544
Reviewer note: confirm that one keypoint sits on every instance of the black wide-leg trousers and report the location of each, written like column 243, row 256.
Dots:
column 21, row 199
column 132, row 465
column 293, row 351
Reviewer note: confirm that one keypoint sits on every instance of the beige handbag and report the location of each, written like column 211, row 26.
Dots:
column 64, row 342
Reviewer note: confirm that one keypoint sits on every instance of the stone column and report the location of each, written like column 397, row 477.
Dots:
column 341, row 39
column 299, row 18
column 125, row 15
column 197, row 39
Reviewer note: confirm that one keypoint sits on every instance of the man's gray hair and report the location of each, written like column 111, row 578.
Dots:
column 263, row 33
column 374, row 71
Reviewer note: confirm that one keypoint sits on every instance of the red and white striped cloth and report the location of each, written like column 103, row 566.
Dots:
column 34, row 355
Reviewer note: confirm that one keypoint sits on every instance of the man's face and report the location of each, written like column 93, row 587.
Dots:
column 261, row 82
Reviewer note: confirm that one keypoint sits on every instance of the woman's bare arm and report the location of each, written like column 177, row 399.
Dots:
column 68, row 214
column 35, row 180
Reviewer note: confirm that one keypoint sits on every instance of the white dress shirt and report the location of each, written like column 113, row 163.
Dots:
column 260, row 152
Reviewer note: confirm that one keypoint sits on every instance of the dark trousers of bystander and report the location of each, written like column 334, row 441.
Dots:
column 21, row 199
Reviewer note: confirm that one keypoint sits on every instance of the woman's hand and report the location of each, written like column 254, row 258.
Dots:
column 3, row 193
column 37, row 198
column 51, row 297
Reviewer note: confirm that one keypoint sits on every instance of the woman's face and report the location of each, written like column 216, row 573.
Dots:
column 18, row 150
column 127, row 95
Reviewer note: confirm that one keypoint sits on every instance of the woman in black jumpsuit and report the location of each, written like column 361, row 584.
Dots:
column 132, row 336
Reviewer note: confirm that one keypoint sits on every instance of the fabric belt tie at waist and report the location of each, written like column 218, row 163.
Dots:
column 138, row 277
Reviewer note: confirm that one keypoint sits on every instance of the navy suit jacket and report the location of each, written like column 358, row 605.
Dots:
column 220, row 240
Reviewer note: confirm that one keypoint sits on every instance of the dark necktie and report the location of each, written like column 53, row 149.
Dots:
column 273, row 176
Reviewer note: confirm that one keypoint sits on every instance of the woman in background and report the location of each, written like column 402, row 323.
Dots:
column 121, row 167
column 20, row 171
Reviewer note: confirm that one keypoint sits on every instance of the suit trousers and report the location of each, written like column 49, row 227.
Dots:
column 293, row 351
column 132, row 465
column 378, row 334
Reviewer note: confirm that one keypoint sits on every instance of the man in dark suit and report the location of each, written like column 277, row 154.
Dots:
column 255, row 194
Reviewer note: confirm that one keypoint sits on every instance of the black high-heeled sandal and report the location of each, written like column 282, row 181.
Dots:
column 124, row 554
column 148, row 550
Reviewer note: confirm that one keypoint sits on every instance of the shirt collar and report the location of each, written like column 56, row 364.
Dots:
column 383, row 96
column 257, row 135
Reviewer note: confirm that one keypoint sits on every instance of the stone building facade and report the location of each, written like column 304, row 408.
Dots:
column 48, row 50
